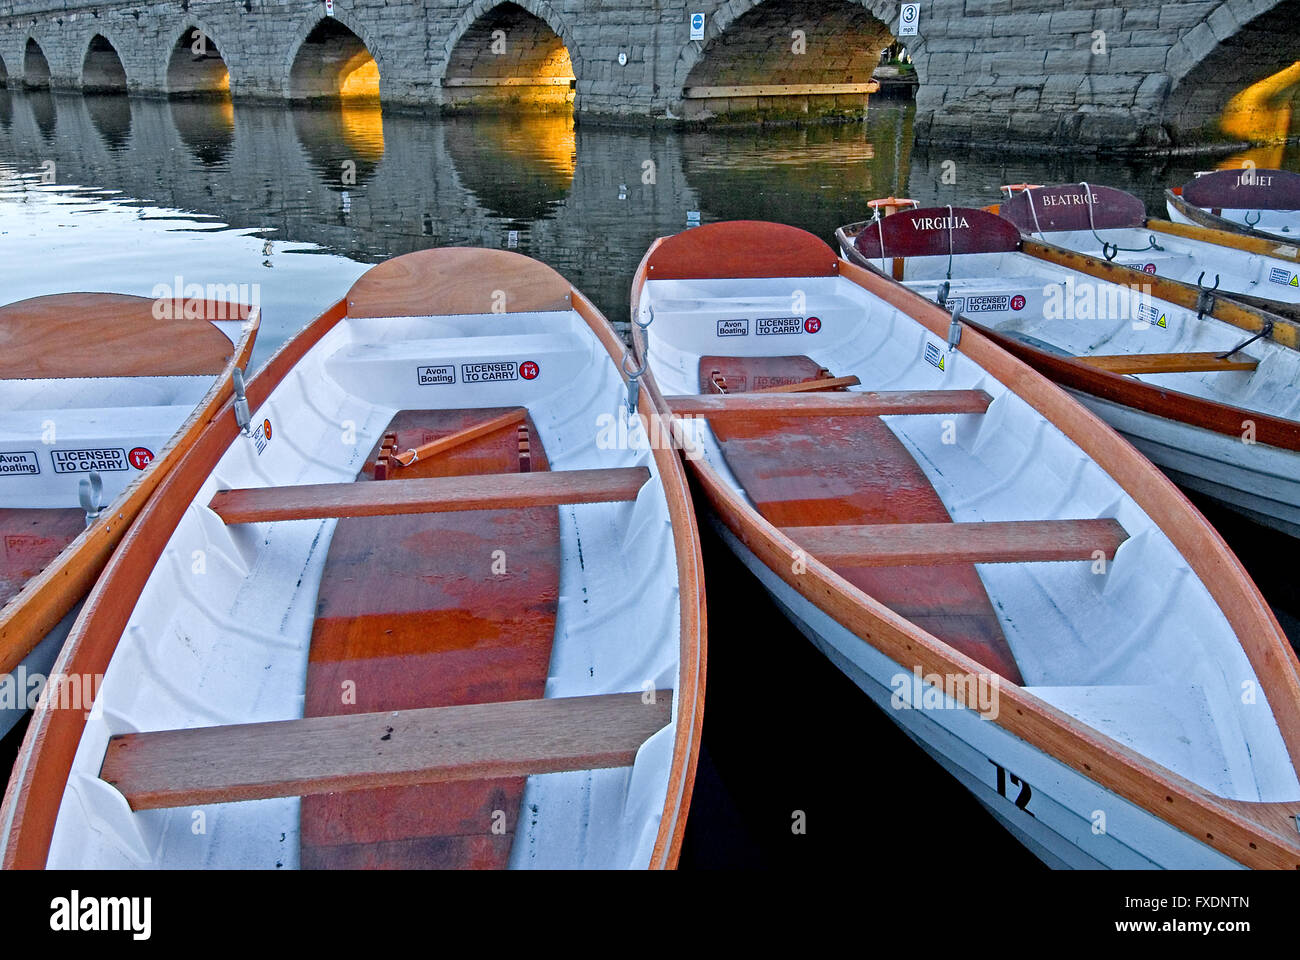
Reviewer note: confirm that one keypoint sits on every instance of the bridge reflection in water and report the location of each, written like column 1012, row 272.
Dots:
column 366, row 185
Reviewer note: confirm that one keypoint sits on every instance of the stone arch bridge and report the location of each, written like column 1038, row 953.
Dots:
column 1136, row 74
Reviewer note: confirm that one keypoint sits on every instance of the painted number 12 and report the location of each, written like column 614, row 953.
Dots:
column 1022, row 798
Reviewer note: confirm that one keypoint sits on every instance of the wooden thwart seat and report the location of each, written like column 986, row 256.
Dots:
column 913, row 544
column 750, row 406
column 293, row 758
column 1168, row 363
column 428, row 495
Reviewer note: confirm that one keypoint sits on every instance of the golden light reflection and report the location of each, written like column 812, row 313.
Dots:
column 1262, row 114
column 554, row 142
column 222, row 82
column 363, row 127
column 360, row 77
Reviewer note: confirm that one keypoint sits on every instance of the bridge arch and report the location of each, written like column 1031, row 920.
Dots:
column 1235, row 74
column 196, row 66
column 821, row 53
column 4, row 74
column 102, row 70
column 335, row 59
column 36, row 68
column 520, row 52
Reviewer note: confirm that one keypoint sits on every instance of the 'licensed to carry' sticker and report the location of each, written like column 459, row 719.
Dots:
column 19, row 464
column 489, row 372
column 780, row 326
column 733, row 328
column 998, row 304
column 439, row 375
column 103, row 459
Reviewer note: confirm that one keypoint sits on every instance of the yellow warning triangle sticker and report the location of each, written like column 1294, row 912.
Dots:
column 940, row 362
column 1161, row 322
column 1295, row 281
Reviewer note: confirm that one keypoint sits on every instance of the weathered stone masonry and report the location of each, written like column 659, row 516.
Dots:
column 1094, row 73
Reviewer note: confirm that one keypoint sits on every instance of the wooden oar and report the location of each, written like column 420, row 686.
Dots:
column 443, row 444
column 811, row 386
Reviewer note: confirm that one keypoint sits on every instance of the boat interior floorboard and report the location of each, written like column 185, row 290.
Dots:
column 853, row 471
column 432, row 610
column 29, row 540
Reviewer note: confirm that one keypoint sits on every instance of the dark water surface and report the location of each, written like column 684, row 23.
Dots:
column 106, row 193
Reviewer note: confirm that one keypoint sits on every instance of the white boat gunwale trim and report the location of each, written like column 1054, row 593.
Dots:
column 1262, row 834
column 28, row 816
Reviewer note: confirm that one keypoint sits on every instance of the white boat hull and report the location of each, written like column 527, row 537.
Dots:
column 1067, row 820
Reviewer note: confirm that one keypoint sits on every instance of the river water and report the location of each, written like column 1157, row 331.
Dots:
column 116, row 194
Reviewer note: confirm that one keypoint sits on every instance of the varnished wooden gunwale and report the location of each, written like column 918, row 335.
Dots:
column 1247, row 832
column 31, row 802
column 1262, row 246
column 1203, row 218
column 1148, row 397
column 1250, row 318
column 692, row 610
column 48, row 597
column 1078, row 374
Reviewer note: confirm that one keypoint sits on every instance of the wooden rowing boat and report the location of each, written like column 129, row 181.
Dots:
column 1208, row 389
column 419, row 612
column 1112, row 225
column 101, row 390
column 1264, row 204
column 1020, row 590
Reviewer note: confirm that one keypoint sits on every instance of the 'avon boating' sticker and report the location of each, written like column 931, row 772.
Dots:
column 140, row 457
column 103, row 459
column 933, row 356
column 954, row 303
column 435, row 376
column 1152, row 315
column 262, row 436
column 1284, row 277
column 779, row 326
column 20, row 464
column 733, row 328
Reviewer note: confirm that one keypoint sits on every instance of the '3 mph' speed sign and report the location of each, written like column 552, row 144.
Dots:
column 908, row 18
